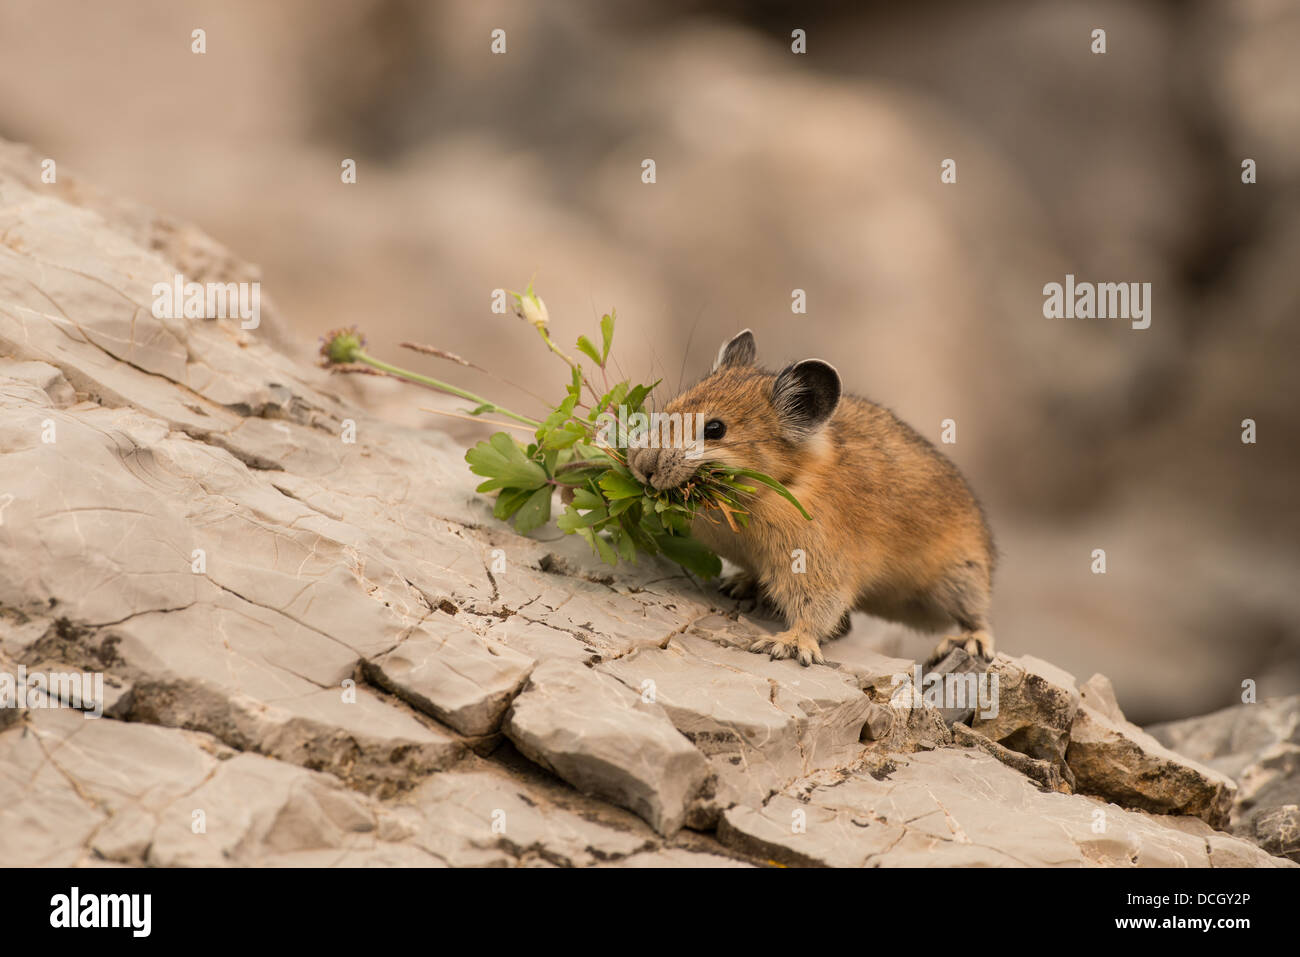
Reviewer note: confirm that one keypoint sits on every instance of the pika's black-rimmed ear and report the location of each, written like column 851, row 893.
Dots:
column 805, row 395
column 737, row 351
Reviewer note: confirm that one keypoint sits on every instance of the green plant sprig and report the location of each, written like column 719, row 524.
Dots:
column 601, row 500
column 343, row 347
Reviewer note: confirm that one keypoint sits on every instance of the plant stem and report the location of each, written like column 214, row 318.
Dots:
column 363, row 356
column 550, row 344
column 580, row 464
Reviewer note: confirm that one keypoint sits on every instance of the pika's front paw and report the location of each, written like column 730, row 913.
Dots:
column 739, row 585
column 790, row 644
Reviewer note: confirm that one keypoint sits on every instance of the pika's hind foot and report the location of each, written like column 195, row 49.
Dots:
column 790, row 644
column 978, row 644
column 739, row 585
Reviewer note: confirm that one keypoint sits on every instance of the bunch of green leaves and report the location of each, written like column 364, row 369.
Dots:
column 603, row 501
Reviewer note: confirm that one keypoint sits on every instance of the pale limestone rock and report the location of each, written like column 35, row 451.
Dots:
column 762, row 723
column 448, row 672
column 1258, row 745
column 605, row 740
column 962, row 808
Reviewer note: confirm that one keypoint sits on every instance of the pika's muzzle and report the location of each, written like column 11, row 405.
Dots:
column 660, row 468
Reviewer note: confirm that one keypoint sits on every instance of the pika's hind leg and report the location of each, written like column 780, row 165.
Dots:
column 977, row 643
column 739, row 585
column 748, row 593
column 964, row 597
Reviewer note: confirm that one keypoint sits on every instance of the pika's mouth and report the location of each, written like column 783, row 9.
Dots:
column 661, row 469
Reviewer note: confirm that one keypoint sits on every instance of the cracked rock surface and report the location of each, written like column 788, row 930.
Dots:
column 323, row 651
column 1258, row 745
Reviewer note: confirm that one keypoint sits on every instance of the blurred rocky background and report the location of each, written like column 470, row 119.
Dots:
column 778, row 171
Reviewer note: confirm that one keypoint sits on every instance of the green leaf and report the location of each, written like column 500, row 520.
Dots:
column 584, row 499
column 599, row 545
column 536, row 512
column 636, row 397
column 560, row 416
column 625, row 545
column 504, row 464
column 579, row 476
column 651, row 523
column 565, row 437
column 617, row 485
column 774, row 485
column 509, row 501
column 622, row 505
column 606, row 333
column 691, row 554
column 615, row 396
column 585, row 346
column 572, row 519
column 677, row 521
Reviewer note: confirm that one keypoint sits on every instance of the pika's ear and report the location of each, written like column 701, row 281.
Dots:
column 737, row 351
column 805, row 395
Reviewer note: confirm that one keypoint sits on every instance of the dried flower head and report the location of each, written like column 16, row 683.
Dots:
column 341, row 346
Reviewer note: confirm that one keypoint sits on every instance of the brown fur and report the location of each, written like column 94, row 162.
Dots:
column 895, row 530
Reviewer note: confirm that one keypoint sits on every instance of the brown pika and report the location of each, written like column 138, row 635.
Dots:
column 895, row 530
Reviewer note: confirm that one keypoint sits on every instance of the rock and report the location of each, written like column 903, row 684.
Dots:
column 1233, row 739
column 761, row 723
column 479, row 816
column 254, row 805
column 912, row 723
column 1099, row 694
column 605, row 740
column 873, row 670
column 1119, row 761
column 161, row 796
column 880, row 721
column 1047, row 774
column 450, row 673
column 1036, row 705
column 1258, row 745
column 959, row 671
column 954, row 807
column 1277, row 830
column 366, row 743
column 675, row 857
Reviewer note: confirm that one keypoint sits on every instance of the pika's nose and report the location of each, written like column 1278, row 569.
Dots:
column 643, row 463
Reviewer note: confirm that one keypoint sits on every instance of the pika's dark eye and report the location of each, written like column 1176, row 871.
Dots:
column 714, row 429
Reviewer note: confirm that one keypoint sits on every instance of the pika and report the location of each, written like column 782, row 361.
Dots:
column 895, row 532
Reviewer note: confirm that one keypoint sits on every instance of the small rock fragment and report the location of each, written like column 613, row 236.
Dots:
column 448, row 672
column 1036, row 704
column 1045, row 773
column 1122, row 763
